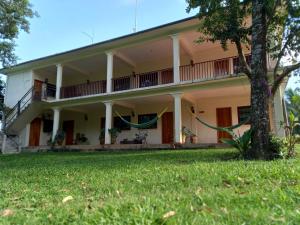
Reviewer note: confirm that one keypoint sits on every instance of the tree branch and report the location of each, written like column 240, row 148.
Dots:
column 286, row 72
column 281, row 53
column 242, row 59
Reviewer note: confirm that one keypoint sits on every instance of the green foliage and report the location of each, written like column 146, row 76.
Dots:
column 291, row 137
column 140, row 187
column 276, row 147
column 293, row 105
column 241, row 142
column 59, row 137
column 114, row 132
column 14, row 17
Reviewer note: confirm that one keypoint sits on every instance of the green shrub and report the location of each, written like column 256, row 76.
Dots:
column 276, row 147
column 242, row 143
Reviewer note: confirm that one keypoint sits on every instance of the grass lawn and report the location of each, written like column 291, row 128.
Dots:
column 154, row 187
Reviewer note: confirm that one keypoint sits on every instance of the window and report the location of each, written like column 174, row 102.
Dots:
column 48, row 126
column 118, row 123
column 244, row 113
column 146, row 118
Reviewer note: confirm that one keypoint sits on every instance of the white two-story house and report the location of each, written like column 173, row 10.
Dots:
column 137, row 75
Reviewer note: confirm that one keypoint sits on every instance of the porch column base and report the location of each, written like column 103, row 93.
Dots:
column 56, row 116
column 108, row 121
column 178, row 119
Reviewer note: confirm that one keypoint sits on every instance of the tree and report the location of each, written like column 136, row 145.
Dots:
column 14, row 15
column 268, row 27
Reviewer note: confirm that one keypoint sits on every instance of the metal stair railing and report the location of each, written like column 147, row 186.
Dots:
column 33, row 94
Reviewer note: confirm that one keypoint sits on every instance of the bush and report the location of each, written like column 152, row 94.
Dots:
column 276, row 147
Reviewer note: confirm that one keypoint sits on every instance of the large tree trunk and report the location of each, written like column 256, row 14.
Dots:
column 260, row 93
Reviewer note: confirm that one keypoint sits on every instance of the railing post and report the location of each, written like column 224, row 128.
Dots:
column 19, row 108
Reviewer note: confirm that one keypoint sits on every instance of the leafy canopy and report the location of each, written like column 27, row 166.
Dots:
column 230, row 21
column 14, row 15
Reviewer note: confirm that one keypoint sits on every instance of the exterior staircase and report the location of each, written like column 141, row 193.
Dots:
column 27, row 108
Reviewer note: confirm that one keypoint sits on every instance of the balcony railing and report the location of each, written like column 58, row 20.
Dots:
column 143, row 80
column 202, row 71
column 88, row 88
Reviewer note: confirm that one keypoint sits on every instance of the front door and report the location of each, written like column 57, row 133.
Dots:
column 224, row 119
column 167, row 128
column 35, row 131
column 68, row 128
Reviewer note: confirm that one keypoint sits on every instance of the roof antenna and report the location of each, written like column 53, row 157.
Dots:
column 91, row 36
column 135, row 17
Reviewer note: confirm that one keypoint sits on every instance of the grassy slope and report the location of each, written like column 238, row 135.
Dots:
column 202, row 187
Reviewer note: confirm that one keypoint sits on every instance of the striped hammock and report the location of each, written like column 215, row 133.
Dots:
column 142, row 125
column 226, row 129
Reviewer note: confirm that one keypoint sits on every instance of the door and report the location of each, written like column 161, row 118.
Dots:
column 68, row 128
column 38, row 86
column 224, row 119
column 167, row 128
column 35, row 131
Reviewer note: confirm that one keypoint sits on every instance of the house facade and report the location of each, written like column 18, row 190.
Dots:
column 80, row 92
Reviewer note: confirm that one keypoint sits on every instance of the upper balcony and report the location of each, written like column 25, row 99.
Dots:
column 169, row 60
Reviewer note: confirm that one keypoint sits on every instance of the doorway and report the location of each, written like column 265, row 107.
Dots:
column 167, row 128
column 68, row 128
column 224, row 119
column 35, row 132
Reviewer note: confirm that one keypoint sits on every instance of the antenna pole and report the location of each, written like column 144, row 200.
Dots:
column 135, row 17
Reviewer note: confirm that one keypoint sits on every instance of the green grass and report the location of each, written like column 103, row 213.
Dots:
column 202, row 187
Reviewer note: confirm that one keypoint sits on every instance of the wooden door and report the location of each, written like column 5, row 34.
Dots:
column 224, row 119
column 68, row 128
column 35, row 132
column 167, row 128
column 38, row 86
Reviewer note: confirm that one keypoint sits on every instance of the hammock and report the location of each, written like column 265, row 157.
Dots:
column 142, row 125
column 226, row 129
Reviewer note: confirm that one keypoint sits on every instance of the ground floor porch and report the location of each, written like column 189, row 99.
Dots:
column 90, row 124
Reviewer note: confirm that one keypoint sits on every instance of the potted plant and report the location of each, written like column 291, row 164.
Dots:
column 59, row 137
column 114, row 132
column 102, row 136
column 188, row 135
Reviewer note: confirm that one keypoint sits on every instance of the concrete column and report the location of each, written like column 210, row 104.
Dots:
column 176, row 58
column 110, row 69
column 279, row 113
column 56, row 116
column 59, row 73
column 108, row 121
column 27, row 135
column 177, row 116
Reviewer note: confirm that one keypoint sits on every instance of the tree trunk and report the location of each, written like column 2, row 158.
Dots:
column 260, row 92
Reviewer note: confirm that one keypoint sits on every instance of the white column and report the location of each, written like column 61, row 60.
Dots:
column 56, row 115
column 108, row 121
column 177, row 115
column 59, row 73
column 27, row 135
column 176, row 58
column 110, row 69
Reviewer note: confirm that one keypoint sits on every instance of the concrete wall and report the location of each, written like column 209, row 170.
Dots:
column 209, row 106
column 90, row 123
column 17, row 85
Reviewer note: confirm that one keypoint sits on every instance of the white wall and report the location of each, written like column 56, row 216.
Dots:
column 17, row 86
column 209, row 106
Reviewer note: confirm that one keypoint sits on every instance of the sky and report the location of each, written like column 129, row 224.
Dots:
column 67, row 24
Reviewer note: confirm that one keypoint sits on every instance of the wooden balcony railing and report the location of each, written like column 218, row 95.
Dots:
column 208, row 70
column 211, row 69
column 142, row 80
column 89, row 88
